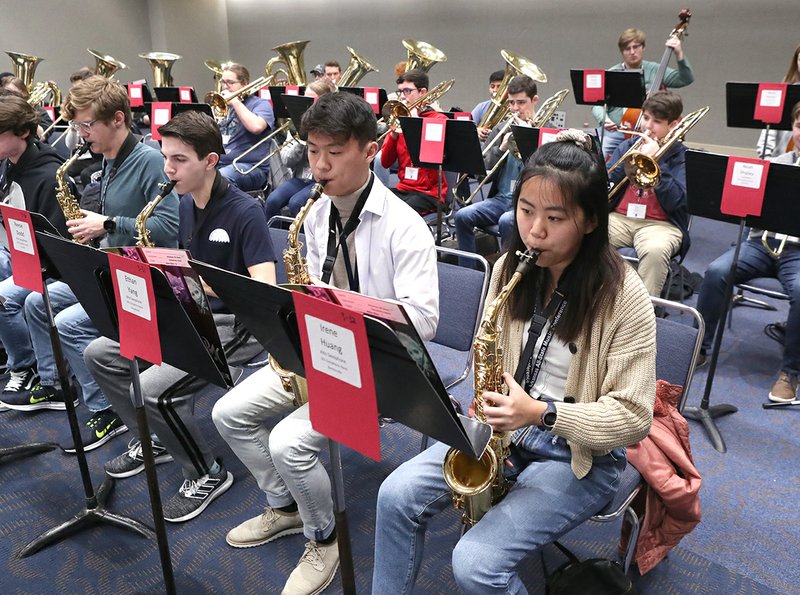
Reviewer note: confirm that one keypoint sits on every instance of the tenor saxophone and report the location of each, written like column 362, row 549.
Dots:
column 478, row 484
column 297, row 274
column 66, row 200
column 142, row 233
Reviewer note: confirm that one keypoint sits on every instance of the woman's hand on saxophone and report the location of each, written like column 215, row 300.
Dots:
column 514, row 410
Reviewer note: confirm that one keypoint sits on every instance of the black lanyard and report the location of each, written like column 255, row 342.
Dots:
column 125, row 150
column 334, row 228
column 529, row 367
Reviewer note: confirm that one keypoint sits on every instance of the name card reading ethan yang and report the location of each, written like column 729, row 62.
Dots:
column 133, row 294
column 333, row 350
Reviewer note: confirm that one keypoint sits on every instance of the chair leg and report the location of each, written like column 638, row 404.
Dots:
column 632, row 538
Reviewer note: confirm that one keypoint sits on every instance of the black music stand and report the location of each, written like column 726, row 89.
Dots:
column 359, row 91
column 527, row 140
column 705, row 179
column 173, row 94
column 276, row 94
column 87, row 272
column 404, row 393
column 94, row 511
column 296, row 107
column 740, row 103
column 462, row 153
column 622, row 89
column 178, row 107
column 147, row 97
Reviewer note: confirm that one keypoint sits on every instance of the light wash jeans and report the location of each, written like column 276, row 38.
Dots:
column 481, row 215
column 76, row 331
column 5, row 264
column 546, row 502
column 284, row 461
column 294, row 192
column 13, row 328
column 255, row 180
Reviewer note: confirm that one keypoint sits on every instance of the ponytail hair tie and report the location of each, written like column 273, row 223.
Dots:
column 578, row 137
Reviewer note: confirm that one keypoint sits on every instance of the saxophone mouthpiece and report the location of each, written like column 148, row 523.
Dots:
column 166, row 187
column 526, row 260
column 82, row 148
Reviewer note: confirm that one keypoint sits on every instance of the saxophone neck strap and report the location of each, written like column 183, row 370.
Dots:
column 529, row 366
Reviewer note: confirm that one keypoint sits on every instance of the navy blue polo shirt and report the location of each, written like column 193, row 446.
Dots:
column 230, row 233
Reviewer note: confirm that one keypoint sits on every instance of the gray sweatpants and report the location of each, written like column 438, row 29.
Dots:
column 168, row 394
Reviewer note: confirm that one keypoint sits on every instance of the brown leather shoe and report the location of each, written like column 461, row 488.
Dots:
column 785, row 389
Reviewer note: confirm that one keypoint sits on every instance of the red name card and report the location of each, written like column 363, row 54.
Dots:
column 594, row 85
column 136, row 309
column 431, row 148
column 185, row 94
column 341, row 387
column 371, row 96
column 26, row 268
column 263, row 93
column 769, row 102
column 548, row 135
column 745, row 180
column 462, row 116
column 292, row 90
column 51, row 111
column 160, row 114
column 135, row 94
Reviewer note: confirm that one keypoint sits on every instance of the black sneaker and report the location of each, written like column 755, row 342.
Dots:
column 40, row 396
column 196, row 494
column 20, row 381
column 101, row 427
column 131, row 462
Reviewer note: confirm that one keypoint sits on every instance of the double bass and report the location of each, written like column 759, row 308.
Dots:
column 632, row 116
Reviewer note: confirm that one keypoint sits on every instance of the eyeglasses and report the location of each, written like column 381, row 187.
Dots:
column 406, row 92
column 85, row 126
column 227, row 83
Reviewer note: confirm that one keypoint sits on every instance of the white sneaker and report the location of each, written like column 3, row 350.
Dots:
column 264, row 528
column 315, row 571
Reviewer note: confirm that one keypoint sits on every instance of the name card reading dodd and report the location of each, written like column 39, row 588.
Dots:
column 333, row 350
column 133, row 294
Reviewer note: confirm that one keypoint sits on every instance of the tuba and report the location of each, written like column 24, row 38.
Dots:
column 24, row 67
column 297, row 274
column 642, row 170
column 356, row 69
column 478, row 484
column 515, row 66
column 161, row 63
column 290, row 55
column 422, row 55
column 217, row 68
column 142, row 233
column 105, row 65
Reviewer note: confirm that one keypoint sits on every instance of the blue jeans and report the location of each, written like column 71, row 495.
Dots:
column 382, row 173
column 508, row 227
column 755, row 261
column 13, row 328
column 76, row 331
column 293, row 192
column 5, row 264
column 546, row 502
column 481, row 215
column 255, row 180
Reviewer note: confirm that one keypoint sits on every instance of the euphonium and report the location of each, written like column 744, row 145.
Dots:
column 422, row 55
column 356, row 69
column 105, row 65
column 478, row 484
column 161, row 63
column 290, row 55
column 297, row 274
column 142, row 233
column 515, row 65
column 66, row 200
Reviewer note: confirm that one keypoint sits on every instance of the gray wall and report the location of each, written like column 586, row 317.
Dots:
column 736, row 40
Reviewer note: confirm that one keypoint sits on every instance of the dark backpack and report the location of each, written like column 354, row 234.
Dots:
column 597, row 576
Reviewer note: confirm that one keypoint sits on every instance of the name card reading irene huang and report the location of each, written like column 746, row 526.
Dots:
column 333, row 350
column 21, row 236
column 133, row 294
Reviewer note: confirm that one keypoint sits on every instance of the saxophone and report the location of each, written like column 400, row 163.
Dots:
column 478, row 484
column 66, row 200
column 297, row 274
column 142, row 233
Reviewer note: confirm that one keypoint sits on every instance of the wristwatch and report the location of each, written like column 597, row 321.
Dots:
column 549, row 416
column 110, row 225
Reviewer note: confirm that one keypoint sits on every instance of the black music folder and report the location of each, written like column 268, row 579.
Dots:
column 173, row 94
column 276, row 94
column 740, row 104
column 462, row 149
column 623, row 89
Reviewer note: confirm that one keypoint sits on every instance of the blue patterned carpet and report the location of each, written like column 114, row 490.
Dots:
column 745, row 543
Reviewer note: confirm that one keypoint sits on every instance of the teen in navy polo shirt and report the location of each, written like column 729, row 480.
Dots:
column 226, row 228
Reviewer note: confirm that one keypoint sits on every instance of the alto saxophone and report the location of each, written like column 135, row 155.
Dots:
column 478, row 484
column 142, row 233
column 66, row 200
column 297, row 274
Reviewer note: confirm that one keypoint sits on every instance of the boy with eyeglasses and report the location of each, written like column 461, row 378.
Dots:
column 99, row 110
column 631, row 45
column 249, row 119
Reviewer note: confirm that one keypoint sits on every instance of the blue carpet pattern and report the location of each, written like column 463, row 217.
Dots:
column 745, row 543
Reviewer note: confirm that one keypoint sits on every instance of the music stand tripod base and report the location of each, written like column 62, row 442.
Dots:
column 706, row 417
column 12, row 453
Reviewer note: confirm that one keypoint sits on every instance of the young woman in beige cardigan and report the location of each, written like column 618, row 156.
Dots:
column 572, row 402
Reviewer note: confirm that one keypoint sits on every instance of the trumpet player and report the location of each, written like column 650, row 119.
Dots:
column 654, row 221
column 522, row 100
column 418, row 186
column 757, row 258
column 574, row 396
column 249, row 119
